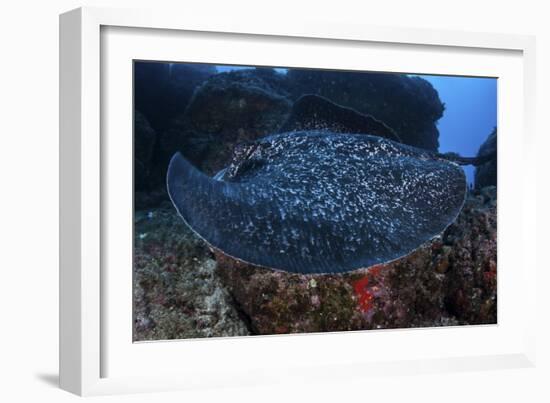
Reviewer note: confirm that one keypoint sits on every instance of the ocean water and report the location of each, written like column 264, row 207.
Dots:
column 470, row 113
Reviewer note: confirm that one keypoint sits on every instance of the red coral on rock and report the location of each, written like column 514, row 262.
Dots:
column 365, row 296
column 365, row 291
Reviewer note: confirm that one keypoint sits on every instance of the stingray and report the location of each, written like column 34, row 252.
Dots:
column 316, row 201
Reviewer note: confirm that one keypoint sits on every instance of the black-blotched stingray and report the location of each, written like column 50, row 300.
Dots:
column 316, row 201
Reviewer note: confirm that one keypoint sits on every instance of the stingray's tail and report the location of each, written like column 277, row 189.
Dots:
column 476, row 161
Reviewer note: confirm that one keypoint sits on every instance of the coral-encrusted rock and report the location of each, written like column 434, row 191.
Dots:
column 279, row 302
column 472, row 279
column 177, row 290
column 409, row 105
column 227, row 109
column 486, row 174
column 450, row 280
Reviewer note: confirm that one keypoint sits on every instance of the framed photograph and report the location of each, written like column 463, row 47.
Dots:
column 243, row 203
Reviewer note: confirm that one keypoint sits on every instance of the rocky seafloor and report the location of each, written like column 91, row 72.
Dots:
column 183, row 289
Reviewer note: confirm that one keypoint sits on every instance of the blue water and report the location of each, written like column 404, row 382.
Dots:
column 470, row 114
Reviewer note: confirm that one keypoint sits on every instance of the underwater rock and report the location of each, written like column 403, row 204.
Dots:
column 227, row 109
column 149, row 199
column 161, row 93
column 144, row 140
column 471, row 289
column 148, row 180
column 177, row 291
column 486, row 174
column 409, row 105
column 183, row 137
column 448, row 281
column 162, row 90
column 278, row 302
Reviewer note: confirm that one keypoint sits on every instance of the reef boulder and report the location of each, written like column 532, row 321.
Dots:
column 486, row 174
column 161, row 93
column 227, row 109
column 407, row 104
column 144, row 141
column 177, row 291
column 162, row 90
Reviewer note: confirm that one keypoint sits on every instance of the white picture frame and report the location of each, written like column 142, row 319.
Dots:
column 89, row 338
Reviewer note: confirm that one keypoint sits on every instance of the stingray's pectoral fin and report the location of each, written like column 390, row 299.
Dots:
column 219, row 213
column 197, row 197
column 312, row 112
